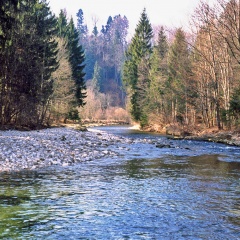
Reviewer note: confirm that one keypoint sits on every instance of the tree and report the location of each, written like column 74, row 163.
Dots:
column 63, row 86
column 179, row 76
column 8, row 10
column 62, row 24
column 139, row 50
column 30, row 60
column 158, row 93
column 81, row 27
column 97, row 79
column 76, row 57
column 162, row 44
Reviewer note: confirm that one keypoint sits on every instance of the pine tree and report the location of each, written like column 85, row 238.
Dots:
column 77, row 63
column 62, row 24
column 179, row 76
column 162, row 44
column 8, row 20
column 31, row 59
column 47, row 28
column 158, row 77
column 139, row 50
column 81, row 27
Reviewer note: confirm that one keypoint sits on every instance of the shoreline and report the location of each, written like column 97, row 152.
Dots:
column 68, row 145
column 231, row 138
column 31, row 150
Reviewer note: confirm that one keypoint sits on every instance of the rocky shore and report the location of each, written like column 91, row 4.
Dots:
column 62, row 146
column 53, row 146
column 65, row 146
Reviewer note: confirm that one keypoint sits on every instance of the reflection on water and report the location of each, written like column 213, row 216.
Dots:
column 169, row 197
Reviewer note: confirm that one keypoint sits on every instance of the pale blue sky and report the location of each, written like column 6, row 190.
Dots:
column 170, row 13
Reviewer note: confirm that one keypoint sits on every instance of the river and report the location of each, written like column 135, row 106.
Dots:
column 181, row 190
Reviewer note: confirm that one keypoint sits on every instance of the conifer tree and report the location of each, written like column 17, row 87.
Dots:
column 139, row 50
column 158, row 77
column 162, row 44
column 179, row 75
column 31, row 59
column 76, row 57
column 62, row 24
column 8, row 11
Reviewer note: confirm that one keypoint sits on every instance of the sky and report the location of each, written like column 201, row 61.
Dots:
column 169, row 13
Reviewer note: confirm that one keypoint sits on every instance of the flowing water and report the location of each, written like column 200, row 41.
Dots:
column 190, row 190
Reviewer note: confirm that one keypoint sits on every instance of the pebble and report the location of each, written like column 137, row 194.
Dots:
column 56, row 146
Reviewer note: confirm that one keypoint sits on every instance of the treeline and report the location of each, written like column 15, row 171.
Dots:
column 187, row 78
column 41, row 65
column 49, row 68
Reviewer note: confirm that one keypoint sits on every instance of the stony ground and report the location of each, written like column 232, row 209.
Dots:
column 53, row 146
column 66, row 146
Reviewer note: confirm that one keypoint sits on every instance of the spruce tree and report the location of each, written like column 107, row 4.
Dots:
column 162, row 44
column 81, row 27
column 179, row 75
column 62, row 24
column 158, row 77
column 76, row 57
column 8, row 20
column 139, row 50
column 29, row 63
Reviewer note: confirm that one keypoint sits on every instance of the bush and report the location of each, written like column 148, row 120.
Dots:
column 73, row 115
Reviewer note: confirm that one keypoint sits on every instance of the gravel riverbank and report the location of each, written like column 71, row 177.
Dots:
column 54, row 146
column 65, row 146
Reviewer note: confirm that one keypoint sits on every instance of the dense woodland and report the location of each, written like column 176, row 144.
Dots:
column 54, row 71
column 189, row 78
column 41, row 70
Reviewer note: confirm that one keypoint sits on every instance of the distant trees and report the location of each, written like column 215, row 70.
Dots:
column 104, row 51
column 105, row 48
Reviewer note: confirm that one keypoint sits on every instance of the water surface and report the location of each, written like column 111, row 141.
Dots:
column 188, row 191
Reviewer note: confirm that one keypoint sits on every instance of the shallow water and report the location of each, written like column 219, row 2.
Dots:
column 188, row 191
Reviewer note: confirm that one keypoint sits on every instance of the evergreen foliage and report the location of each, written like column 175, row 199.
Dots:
column 46, row 62
column 179, row 73
column 138, row 52
column 29, row 60
column 76, row 57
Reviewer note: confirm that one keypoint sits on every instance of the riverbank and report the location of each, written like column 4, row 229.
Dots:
column 199, row 134
column 68, row 145
column 227, row 137
column 52, row 146
column 62, row 146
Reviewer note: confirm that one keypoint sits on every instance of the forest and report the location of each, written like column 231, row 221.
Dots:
column 52, row 71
